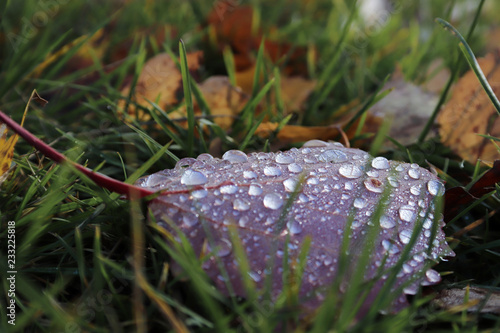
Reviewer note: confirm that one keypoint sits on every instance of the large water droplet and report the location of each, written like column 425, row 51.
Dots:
column 427, row 223
column 435, row 187
column 154, row 180
column 284, row 159
column 249, row 174
column 235, row 156
column 356, row 224
column 374, row 185
column 189, row 220
column 414, row 173
column 193, row 177
column 272, row 170
column 393, row 181
column 294, row 227
column 242, row 222
column 380, row 163
column 254, row 276
column 315, row 143
column 386, row 222
column 390, row 247
column 241, row 205
column 313, row 181
column 199, row 194
column 303, row 198
column 333, row 156
column 406, row 213
column 229, row 189
column 360, row 203
column 290, row 184
column 415, row 190
column 255, row 189
column 294, row 168
column 205, row 157
column 272, row 201
column 223, row 247
column 433, row 276
column 350, row 171
column 405, row 236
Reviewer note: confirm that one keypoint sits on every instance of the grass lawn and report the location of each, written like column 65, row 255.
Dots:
column 89, row 260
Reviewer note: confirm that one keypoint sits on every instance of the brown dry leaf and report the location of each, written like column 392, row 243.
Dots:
column 408, row 105
column 452, row 299
column 469, row 112
column 160, row 81
column 294, row 89
column 296, row 133
column 224, row 101
column 231, row 25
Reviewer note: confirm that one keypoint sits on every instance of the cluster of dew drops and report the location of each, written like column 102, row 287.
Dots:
column 253, row 190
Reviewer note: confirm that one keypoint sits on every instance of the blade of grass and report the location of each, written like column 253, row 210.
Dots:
column 186, row 83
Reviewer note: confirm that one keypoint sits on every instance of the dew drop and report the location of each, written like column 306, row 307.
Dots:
column 315, row 143
column 241, row 205
column 380, row 163
column 294, row 168
column 411, row 290
column 229, row 189
column 415, row 190
column 435, row 187
column 390, row 247
column 235, row 156
column 427, row 223
column 294, row 227
column 356, row 224
column 154, row 180
column 373, row 185
column 205, row 157
column 303, row 198
column 414, row 173
column 333, row 156
column 272, row 170
column 310, row 159
column 249, row 174
column 223, row 247
column 405, row 236
column 284, row 159
column 290, row 184
column 272, row 201
column 242, row 222
column 386, row 222
column 199, row 194
column 193, row 177
column 255, row 189
column 350, row 171
column 393, row 181
column 433, row 276
column 189, row 220
column 313, row 181
column 360, row 203
column 406, row 213
column 254, row 276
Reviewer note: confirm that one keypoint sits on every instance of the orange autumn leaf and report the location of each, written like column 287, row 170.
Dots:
column 233, row 25
column 294, row 89
column 224, row 101
column 297, row 133
column 469, row 113
column 160, row 81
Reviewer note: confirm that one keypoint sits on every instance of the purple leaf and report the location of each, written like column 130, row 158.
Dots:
column 206, row 195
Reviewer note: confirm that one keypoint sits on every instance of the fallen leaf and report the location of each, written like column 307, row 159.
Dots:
column 160, row 81
column 455, row 298
column 409, row 107
column 224, row 101
column 207, row 196
column 233, row 25
column 469, row 112
column 297, row 133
